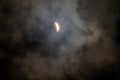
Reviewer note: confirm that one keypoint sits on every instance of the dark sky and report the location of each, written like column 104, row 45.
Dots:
column 86, row 47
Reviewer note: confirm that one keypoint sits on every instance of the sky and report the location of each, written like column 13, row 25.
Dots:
column 59, row 39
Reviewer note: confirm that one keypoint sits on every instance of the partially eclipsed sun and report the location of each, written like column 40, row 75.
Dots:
column 57, row 26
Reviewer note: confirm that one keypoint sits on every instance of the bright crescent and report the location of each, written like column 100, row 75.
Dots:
column 57, row 27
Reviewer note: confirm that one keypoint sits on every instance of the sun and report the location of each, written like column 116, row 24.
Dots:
column 57, row 26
